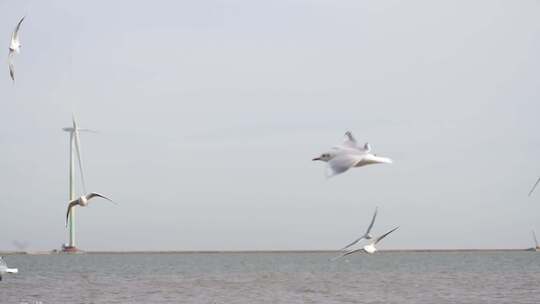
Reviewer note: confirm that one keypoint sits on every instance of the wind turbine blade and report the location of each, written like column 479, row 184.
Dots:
column 78, row 148
column 88, row 130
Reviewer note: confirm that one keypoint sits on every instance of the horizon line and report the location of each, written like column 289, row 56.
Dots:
column 8, row 252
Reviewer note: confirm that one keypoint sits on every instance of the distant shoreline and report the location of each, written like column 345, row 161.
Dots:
column 256, row 251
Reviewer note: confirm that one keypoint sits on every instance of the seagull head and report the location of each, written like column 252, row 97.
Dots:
column 325, row 157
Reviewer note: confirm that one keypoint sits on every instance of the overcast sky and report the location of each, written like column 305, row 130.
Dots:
column 210, row 112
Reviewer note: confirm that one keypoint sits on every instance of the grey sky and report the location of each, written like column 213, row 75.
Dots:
column 209, row 113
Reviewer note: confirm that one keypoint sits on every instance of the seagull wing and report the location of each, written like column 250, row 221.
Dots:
column 345, row 254
column 374, row 159
column 350, row 141
column 15, row 36
column 384, row 235
column 93, row 194
column 344, row 162
column 372, row 221
column 353, row 242
column 353, row 251
column 367, row 147
column 367, row 232
column 11, row 69
column 71, row 205
column 534, row 187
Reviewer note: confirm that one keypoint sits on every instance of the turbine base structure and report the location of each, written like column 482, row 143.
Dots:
column 71, row 249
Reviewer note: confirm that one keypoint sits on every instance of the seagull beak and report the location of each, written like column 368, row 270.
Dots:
column 316, row 158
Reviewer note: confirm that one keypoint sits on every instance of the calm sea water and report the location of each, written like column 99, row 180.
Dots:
column 387, row 277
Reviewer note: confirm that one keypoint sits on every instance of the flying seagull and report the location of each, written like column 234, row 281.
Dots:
column 366, row 235
column 14, row 48
column 370, row 248
column 348, row 155
column 534, row 187
column 83, row 202
column 4, row 268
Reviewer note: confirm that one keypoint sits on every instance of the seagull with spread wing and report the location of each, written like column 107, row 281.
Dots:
column 349, row 155
column 83, row 202
column 370, row 248
column 366, row 235
column 14, row 48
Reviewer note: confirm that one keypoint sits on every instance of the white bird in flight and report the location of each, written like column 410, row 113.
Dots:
column 14, row 48
column 366, row 235
column 534, row 187
column 348, row 155
column 369, row 248
column 83, row 202
column 4, row 268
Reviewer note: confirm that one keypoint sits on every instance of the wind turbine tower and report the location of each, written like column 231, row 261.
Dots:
column 74, row 147
column 537, row 246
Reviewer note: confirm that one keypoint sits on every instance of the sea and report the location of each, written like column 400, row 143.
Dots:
column 274, row 277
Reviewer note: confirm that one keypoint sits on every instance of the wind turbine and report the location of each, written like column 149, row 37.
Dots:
column 537, row 247
column 20, row 245
column 74, row 146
